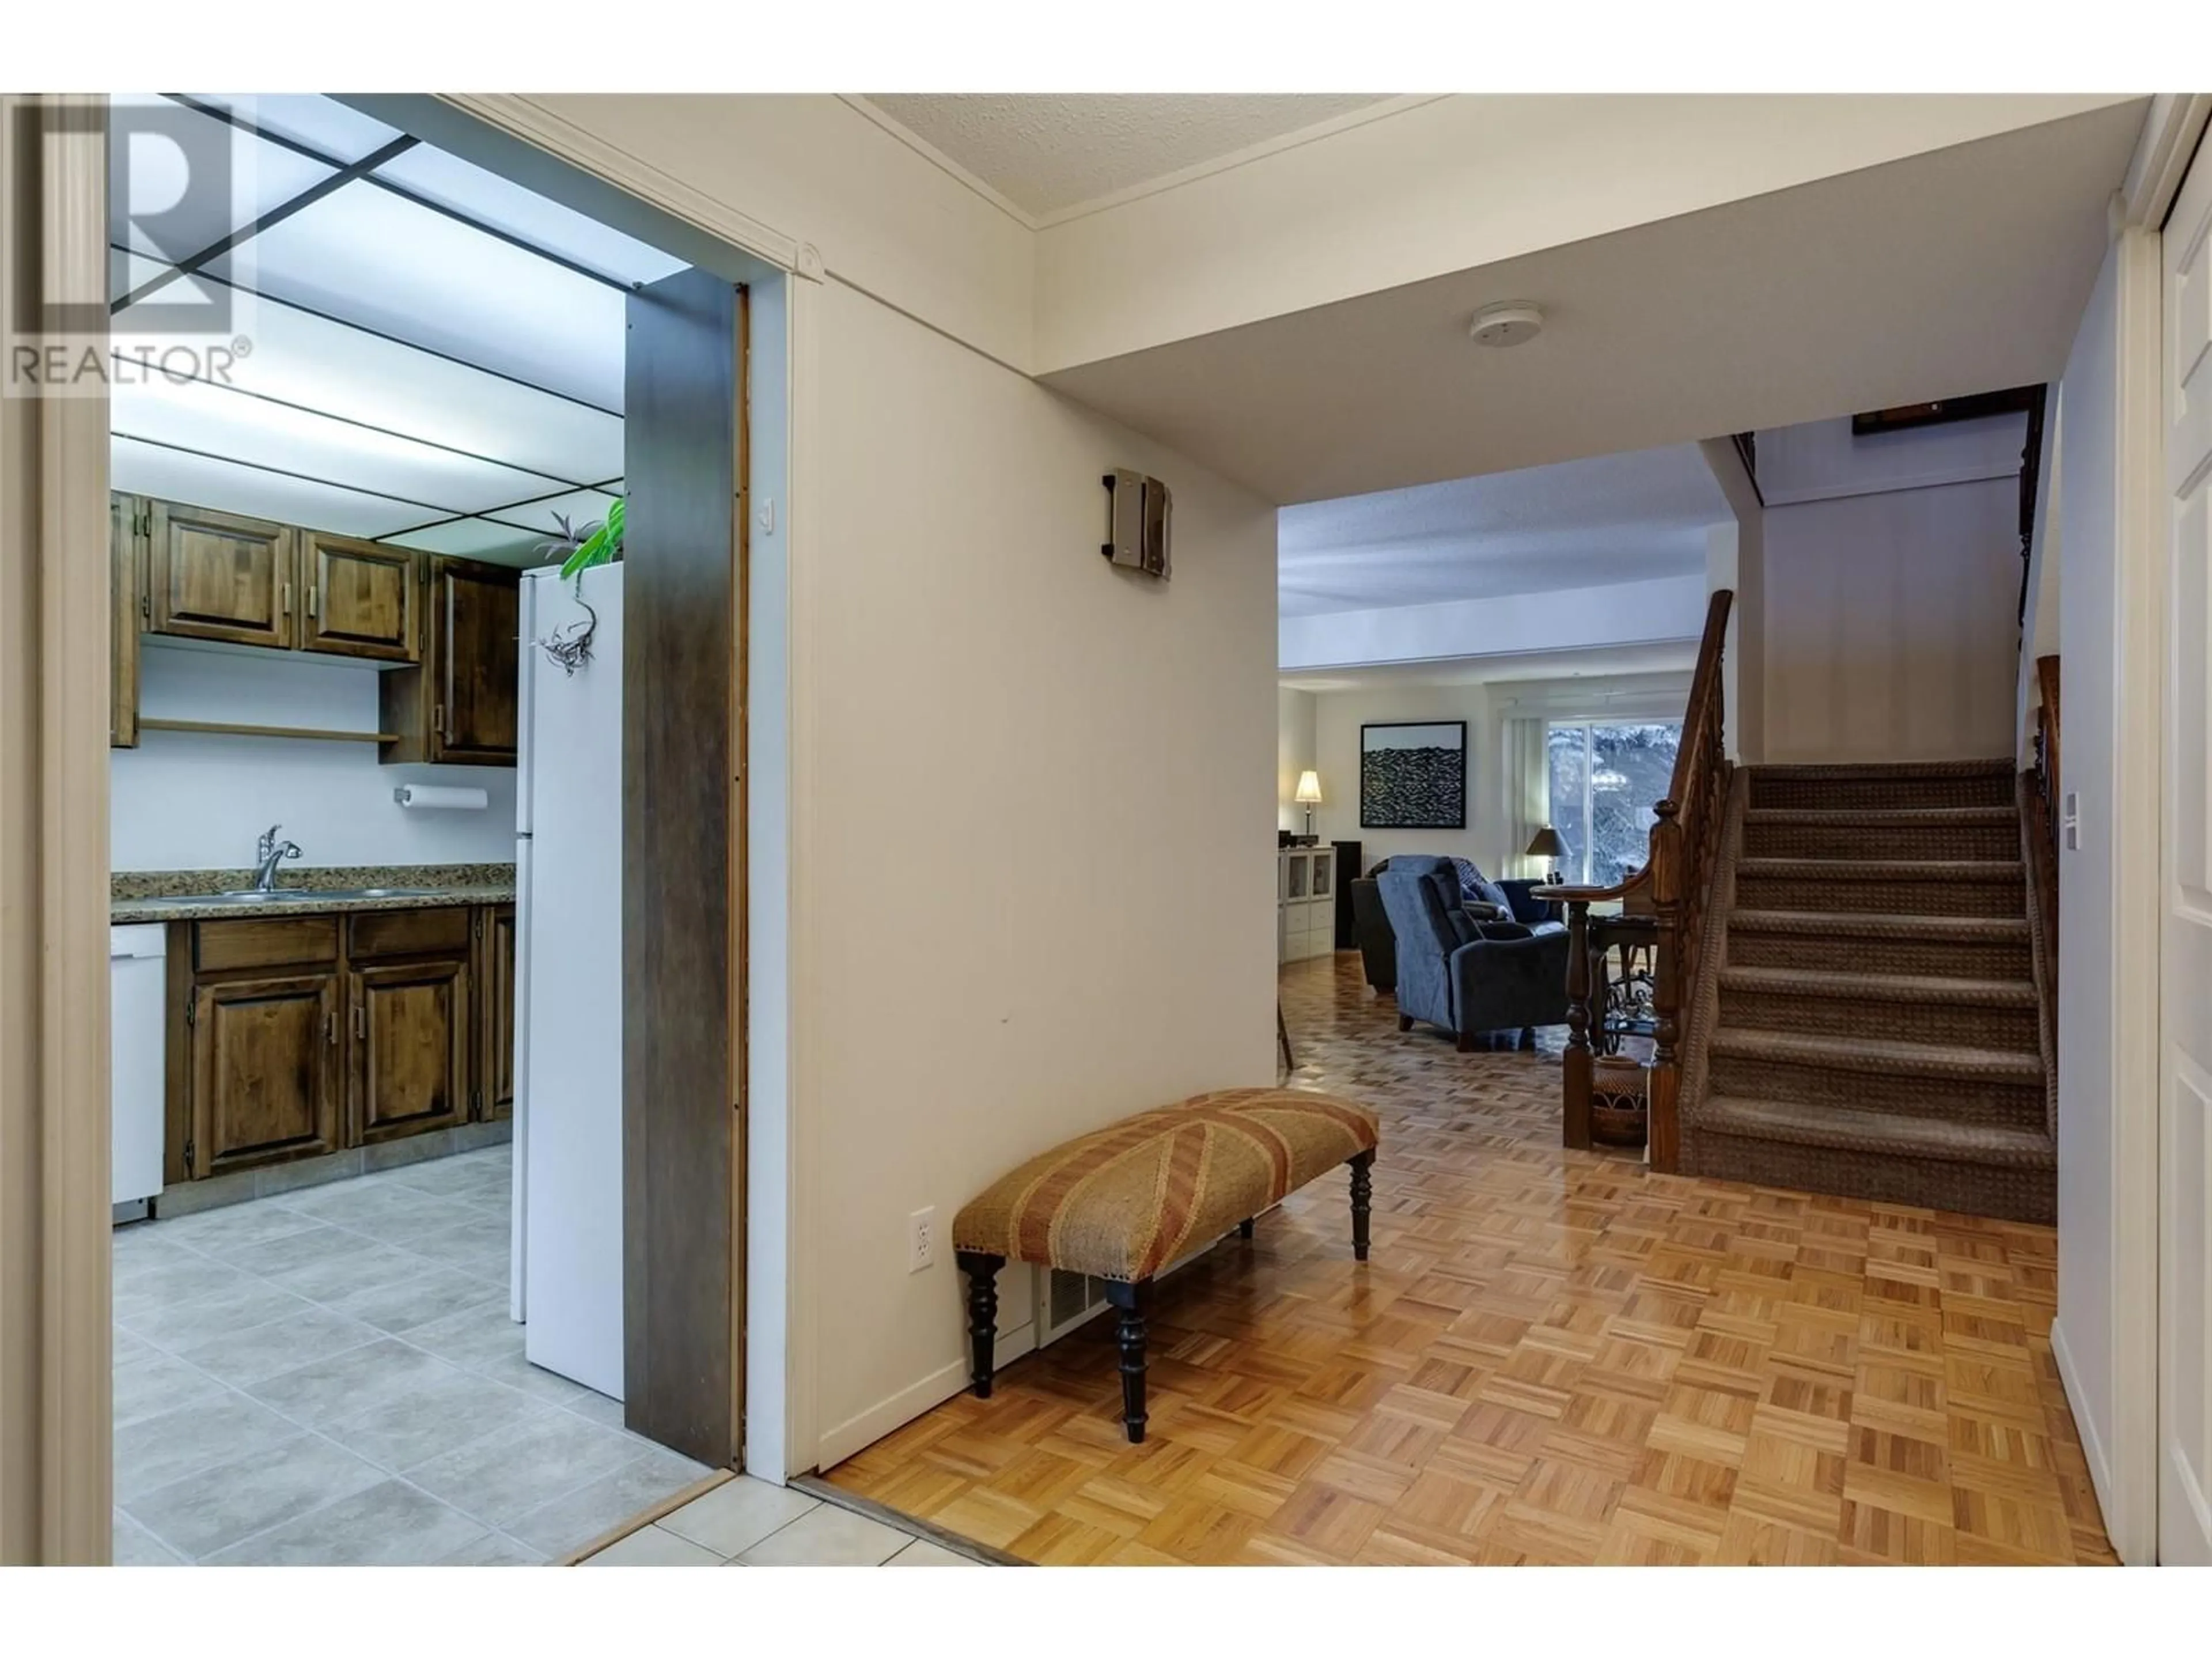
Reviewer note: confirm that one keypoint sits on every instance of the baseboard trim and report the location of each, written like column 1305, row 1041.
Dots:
column 2093, row 1443
column 871, row 1425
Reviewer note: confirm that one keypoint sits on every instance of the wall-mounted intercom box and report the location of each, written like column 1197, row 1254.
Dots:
column 1138, row 510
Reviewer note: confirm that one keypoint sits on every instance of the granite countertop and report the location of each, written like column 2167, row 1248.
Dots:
column 137, row 895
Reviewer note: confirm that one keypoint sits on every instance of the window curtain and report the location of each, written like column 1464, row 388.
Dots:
column 1527, row 793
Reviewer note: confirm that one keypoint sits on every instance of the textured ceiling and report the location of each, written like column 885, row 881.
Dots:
column 1046, row 152
column 1954, row 271
column 1578, row 524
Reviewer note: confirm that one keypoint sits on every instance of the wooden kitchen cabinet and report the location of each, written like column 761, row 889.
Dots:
column 461, row 706
column 297, row 1036
column 218, row 576
column 359, row 599
column 264, row 1070
column 126, row 608
column 411, row 1062
column 496, row 974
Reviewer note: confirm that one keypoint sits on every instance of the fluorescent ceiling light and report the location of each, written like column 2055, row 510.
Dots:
column 321, row 124
column 491, row 200
column 153, row 208
column 197, row 480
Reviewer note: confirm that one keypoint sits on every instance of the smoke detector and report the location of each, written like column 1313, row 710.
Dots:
column 1506, row 324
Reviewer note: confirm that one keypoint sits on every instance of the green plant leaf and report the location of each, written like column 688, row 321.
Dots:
column 601, row 547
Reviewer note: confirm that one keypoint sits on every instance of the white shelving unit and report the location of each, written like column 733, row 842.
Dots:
column 1305, row 902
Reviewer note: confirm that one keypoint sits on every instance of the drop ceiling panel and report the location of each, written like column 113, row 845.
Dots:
column 491, row 199
column 476, row 538
column 581, row 507
column 321, row 124
column 199, row 414
column 375, row 260
column 154, row 207
column 199, row 481
column 312, row 362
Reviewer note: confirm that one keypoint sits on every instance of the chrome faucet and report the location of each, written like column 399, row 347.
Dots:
column 268, row 854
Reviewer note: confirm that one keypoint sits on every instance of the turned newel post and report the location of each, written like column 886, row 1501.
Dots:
column 1575, row 1064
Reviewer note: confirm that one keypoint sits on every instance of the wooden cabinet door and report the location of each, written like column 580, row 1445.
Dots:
column 476, row 667
column 411, row 1031
column 217, row 576
column 125, row 607
column 359, row 599
column 496, row 1047
column 265, row 1059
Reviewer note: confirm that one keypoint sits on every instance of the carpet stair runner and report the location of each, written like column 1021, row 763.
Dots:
column 1877, row 1031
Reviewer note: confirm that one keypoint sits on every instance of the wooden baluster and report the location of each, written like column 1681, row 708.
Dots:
column 1575, row 1064
column 1663, row 1128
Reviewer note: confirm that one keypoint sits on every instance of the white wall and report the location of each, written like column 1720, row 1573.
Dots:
column 1889, row 614
column 2110, row 652
column 1048, row 904
column 195, row 801
column 1739, row 563
column 1485, row 708
column 1564, row 619
column 1294, row 753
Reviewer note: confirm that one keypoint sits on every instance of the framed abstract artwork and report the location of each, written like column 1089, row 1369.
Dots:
column 1412, row 775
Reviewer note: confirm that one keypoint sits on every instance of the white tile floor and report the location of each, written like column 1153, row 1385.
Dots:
column 331, row 1377
column 750, row 1523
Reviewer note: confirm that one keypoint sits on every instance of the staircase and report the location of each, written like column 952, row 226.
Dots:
column 1872, row 1026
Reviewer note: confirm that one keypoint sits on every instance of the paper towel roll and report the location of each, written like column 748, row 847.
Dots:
column 441, row 795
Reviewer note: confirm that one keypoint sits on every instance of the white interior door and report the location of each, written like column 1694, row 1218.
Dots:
column 2185, row 1427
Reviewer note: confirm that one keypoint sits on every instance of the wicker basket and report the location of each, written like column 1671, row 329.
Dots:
column 1620, row 1095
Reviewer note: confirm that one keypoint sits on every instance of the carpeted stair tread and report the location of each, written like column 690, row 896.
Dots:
column 1882, row 817
column 1882, row 770
column 1916, row 870
column 1854, row 1053
column 1886, row 1133
column 1875, row 924
column 1882, row 987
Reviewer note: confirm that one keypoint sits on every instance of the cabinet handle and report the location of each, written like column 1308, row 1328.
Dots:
column 438, row 719
column 314, row 592
column 287, row 605
column 359, row 1023
column 330, row 1028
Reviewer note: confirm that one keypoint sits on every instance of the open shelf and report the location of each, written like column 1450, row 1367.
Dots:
column 226, row 729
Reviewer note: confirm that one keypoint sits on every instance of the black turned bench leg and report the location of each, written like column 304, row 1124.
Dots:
column 1132, row 1300
column 1362, row 1189
column 1244, row 1227
column 982, row 1272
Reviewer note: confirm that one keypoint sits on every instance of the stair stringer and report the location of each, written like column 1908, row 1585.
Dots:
column 1705, row 996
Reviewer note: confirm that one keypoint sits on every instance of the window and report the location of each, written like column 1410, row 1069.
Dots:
column 1605, row 780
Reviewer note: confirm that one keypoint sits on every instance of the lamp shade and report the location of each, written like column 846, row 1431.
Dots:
column 1546, row 844
column 1309, row 789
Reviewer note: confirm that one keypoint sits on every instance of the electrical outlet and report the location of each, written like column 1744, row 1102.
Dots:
column 922, row 1240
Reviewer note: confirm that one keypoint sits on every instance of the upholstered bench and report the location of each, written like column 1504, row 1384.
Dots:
column 1122, row 1203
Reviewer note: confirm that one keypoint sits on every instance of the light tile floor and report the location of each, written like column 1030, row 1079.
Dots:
column 330, row 1377
column 750, row 1523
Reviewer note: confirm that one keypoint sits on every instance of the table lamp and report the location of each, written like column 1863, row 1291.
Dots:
column 1546, row 844
column 1308, row 796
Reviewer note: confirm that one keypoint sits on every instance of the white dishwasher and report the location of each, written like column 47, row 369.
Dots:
column 137, row 980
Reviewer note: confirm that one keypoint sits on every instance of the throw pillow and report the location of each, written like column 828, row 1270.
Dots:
column 1478, row 887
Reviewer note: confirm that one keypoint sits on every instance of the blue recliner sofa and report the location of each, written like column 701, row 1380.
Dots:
column 1479, row 979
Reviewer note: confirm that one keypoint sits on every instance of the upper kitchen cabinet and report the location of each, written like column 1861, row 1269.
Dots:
column 126, row 556
column 460, row 707
column 360, row 598
column 219, row 576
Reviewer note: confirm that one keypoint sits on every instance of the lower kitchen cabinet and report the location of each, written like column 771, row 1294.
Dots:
column 264, row 1072
column 495, row 972
column 410, row 1063
column 298, row 1036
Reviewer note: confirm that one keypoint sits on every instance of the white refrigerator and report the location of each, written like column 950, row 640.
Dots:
column 567, row 1278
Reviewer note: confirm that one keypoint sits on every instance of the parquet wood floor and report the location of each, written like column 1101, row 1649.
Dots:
column 1552, row 1357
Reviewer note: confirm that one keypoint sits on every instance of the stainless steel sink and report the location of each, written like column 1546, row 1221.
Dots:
column 313, row 895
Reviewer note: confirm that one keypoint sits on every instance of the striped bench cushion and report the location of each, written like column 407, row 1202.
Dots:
column 1127, row 1200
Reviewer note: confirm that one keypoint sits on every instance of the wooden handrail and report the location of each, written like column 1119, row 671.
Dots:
column 2050, row 806
column 1685, row 842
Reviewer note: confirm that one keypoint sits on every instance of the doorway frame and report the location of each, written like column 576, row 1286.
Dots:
column 55, row 1338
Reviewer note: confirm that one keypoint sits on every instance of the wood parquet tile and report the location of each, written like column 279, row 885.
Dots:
column 1551, row 1356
